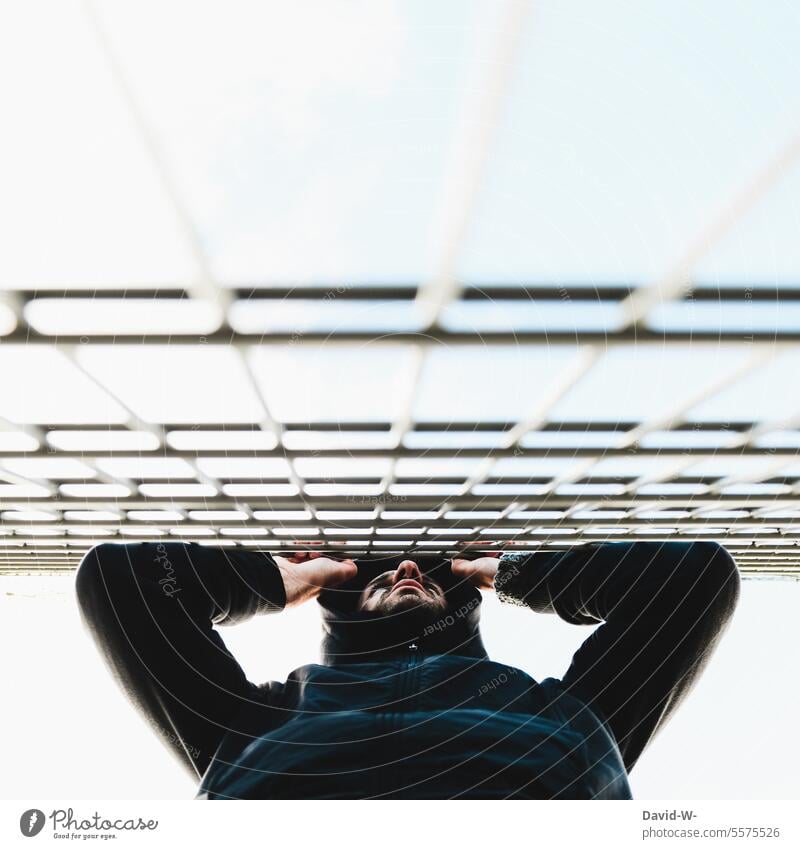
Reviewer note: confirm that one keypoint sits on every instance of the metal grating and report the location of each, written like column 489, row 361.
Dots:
column 543, row 483
column 568, row 412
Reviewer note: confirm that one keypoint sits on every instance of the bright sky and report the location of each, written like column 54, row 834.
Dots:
column 311, row 140
column 75, row 737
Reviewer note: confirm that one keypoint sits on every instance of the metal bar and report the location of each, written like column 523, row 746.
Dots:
column 775, row 339
column 676, row 279
column 403, row 452
column 400, row 428
column 469, row 162
column 759, row 357
column 581, row 366
column 538, row 291
column 204, row 286
column 270, row 424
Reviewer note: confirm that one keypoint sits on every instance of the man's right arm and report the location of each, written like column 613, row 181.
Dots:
column 151, row 609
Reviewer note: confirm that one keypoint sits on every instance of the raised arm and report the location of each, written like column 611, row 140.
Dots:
column 664, row 606
column 151, row 608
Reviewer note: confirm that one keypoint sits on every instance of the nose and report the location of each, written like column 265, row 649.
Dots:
column 408, row 569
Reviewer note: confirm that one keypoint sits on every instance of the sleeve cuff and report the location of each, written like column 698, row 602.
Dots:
column 515, row 582
column 273, row 592
column 255, row 587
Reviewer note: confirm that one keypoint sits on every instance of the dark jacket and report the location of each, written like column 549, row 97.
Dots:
column 393, row 714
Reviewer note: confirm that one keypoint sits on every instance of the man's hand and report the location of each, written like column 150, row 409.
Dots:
column 479, row 572
column 306, row 573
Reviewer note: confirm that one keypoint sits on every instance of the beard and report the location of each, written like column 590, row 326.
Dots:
column 412, row 613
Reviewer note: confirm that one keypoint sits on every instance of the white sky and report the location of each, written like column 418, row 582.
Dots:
column 70, row 733
column 311, row 140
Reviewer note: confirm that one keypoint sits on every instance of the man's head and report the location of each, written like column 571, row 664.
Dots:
column 403, row 589
column 394, row 600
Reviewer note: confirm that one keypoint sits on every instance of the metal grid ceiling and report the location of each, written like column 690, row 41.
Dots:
column 352, row 337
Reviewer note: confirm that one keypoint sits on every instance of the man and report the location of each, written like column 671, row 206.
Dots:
column 405, row 702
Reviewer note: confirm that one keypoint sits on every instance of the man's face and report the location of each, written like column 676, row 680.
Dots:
column 401, row 589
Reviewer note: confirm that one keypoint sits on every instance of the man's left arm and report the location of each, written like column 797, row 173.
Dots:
column 663, row 607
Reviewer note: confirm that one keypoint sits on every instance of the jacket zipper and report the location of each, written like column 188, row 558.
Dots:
column 404, row 682
column 414, row 658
